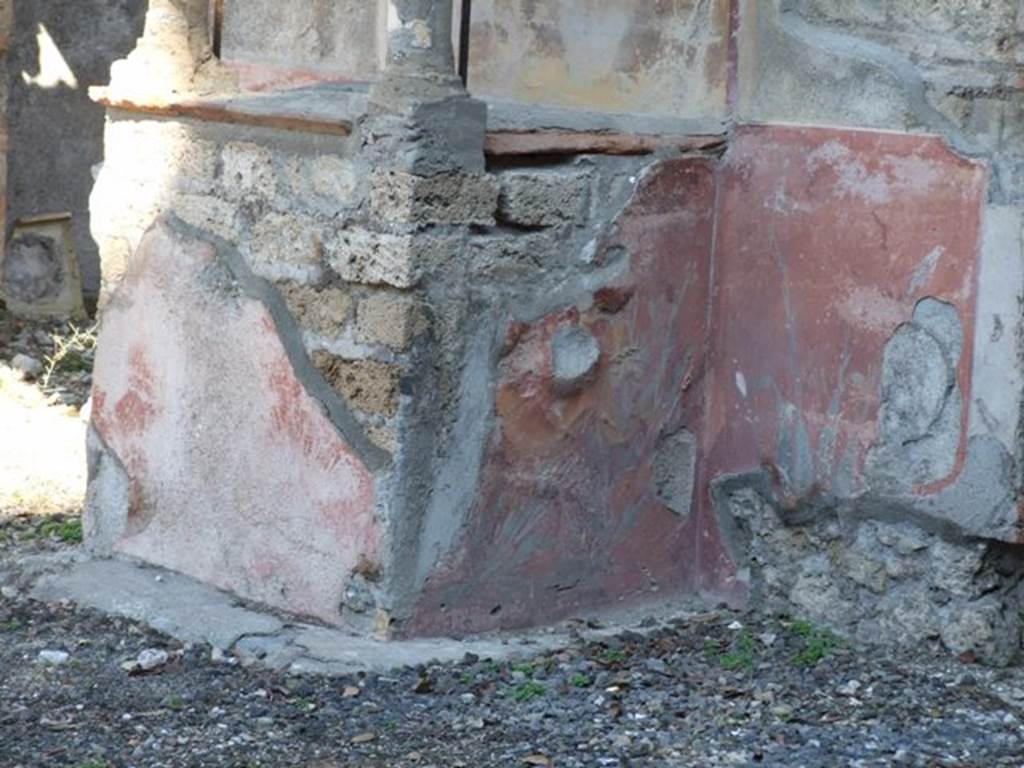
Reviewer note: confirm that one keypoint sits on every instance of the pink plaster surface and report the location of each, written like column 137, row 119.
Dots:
column 237, row 476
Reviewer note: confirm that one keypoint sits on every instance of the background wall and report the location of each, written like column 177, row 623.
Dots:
column 56, row 132
column 664, row 58
column 273, row 40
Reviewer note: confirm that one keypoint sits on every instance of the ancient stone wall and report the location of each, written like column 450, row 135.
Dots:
column 486, row 375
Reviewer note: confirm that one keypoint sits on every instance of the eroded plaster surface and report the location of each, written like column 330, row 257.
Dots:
column 567, row 512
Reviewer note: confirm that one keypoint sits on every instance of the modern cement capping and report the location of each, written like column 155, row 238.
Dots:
column 513, row 129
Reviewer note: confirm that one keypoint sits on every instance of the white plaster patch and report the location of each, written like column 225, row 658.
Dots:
column 422, row 37
column 925, row 270
column 741, row 383
column 997, row 378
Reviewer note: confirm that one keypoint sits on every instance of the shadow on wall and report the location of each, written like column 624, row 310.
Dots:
column 59, row 49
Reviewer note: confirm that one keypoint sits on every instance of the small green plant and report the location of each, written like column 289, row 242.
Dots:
column 11, row 625
column 466, row 678
column 494, row 668
column 68, row 531
column 580, row 681
column 818, row 643
column 711, row 648
column 528, row 691
column 526, row 669
column 176, row 703
column 304, row 704
column 613, row 656
column 741, row 654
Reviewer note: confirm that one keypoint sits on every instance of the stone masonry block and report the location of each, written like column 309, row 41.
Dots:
column 286, row 247
column 207, row 213
column 389, row 319
column 248, row 170
column 451, row 198
column 543, row 198
column 115, row 253
column 378, row 258
column 384, row 437
column 334, row 179
column 194, row 164
column 321, row 310
column 368, row 385
column 324, row 183
column 509, row 258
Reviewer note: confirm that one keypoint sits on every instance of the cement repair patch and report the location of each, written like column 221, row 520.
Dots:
column 193, row 612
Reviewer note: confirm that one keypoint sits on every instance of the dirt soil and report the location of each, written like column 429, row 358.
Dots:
column 42, row 437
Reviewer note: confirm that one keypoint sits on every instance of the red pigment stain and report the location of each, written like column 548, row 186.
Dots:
column 293, row 419
column 134, row 411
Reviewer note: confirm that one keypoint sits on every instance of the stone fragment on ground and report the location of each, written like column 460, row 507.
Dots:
column 28, row 368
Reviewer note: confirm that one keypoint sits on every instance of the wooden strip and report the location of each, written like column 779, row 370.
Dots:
column 527, row 142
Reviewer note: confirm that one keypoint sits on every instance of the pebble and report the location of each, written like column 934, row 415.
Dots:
column 147, row 661
column 849, row 688
column 152, row 658
column 28, row 367
column 657, row 666
column 54, row 658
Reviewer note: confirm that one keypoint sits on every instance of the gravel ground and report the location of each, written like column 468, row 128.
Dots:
column 713, row 690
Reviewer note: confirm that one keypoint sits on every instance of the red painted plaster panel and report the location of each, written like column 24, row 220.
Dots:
column 566, row 515
column 238, row 478
column 827, row 240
